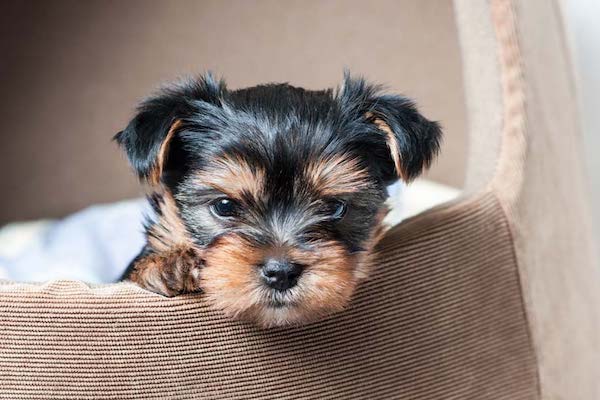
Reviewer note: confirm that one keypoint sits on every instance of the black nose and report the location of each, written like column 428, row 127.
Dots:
column 279, row 274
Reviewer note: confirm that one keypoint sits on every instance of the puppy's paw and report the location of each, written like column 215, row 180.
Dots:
column 170, row 274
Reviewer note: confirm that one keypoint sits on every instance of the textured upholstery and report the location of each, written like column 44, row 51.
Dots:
column 493, row 296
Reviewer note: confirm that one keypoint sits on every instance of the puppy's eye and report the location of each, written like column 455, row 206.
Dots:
column 225, row 207
column 335, row 209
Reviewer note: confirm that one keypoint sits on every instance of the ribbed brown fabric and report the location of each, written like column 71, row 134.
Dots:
column 441, row 318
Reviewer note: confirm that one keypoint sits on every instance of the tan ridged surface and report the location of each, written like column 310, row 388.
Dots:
column 440, row 318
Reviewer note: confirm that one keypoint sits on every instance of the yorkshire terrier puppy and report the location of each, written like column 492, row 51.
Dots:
column 269, row 200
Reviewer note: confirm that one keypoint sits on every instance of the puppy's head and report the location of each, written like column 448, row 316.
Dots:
column 280, row 189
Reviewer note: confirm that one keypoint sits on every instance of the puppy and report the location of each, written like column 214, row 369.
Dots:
column 270, row 199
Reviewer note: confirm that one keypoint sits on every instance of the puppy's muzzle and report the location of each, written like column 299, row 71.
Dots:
column 280, row 274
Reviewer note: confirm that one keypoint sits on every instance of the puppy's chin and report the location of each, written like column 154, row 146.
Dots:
column 231, row 282
column 293, row 307
column 298, row 306
column 271, row 315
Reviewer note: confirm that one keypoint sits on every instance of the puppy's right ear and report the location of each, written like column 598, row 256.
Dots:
column 148, row 137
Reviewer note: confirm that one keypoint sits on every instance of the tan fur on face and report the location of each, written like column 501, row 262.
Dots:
column 174, row 265
column 337, row 175
column 168, row 232
column 228, row 270
column 231, row 281
column 230, row 274
column 235, row 177
column 157, row 171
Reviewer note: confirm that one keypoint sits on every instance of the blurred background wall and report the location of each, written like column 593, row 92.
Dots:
column 72, row 71
column 582, row 25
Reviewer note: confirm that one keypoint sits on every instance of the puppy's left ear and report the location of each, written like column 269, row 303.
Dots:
column 413, row 141
column 410, row 140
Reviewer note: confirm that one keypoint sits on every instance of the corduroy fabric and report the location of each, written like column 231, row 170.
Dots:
column 440, row 318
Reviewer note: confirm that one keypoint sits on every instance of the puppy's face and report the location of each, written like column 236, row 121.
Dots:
column 284, row 233
column 280, row 190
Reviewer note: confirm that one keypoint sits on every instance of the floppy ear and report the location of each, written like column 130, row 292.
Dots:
column 412, row 141
column 148, row 139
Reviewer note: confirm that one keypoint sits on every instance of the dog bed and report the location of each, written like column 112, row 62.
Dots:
column 490, row 296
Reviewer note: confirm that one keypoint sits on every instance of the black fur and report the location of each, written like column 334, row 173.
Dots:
column 279, row 128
